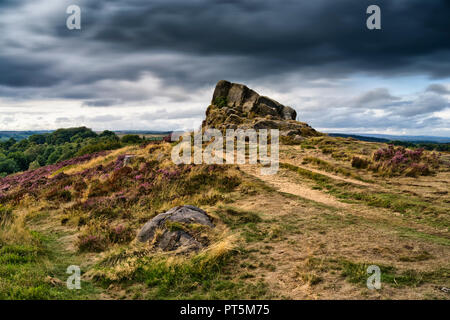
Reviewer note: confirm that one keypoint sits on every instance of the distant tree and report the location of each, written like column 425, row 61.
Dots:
column 8, row 143
column 8, row 166
column 20, row 159
column 19, row 146
column 48, row 152
column 34, row 165
column 33, row 151
column 99, row 146
column 38, row 138
column 108, row 134
column 131, row 139
column 36, row 150
column 41, row 160
column 61, row 136
column 53, row 158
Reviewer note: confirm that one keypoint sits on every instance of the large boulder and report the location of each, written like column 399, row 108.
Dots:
column 240, row 97
column 170, row 230
column 235, row 106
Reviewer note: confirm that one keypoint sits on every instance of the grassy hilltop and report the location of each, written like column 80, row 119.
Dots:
column 336, row 206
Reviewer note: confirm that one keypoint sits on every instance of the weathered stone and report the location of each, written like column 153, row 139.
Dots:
column 240, row 97
column 266, row 124
column 269, row 103
column 288, row 113
column 234, row 119
column 297, row 138
column 235, row 106
column 156, row 229
column 222, row 89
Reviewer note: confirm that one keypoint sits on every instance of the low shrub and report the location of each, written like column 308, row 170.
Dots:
column 221, row 102
column 287, row 140
column 59, row 195
column 91, row 243
column 360, row 163
column 120, row 234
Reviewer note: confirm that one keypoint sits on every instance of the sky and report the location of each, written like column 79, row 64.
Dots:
column 153, row 64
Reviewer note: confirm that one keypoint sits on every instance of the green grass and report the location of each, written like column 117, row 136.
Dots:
column 411, row 233
column 317, row 177
column 246, row 221
column 329, row 167
column 192, row 280
column 201, row 276
column 235, row 218
column 412, row 206
column 24, row 269
column 357, row 273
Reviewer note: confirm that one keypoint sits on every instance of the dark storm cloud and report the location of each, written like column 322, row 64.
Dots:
column 241, row 40
column 26, row 72
column 168, row 52
column 320, row 37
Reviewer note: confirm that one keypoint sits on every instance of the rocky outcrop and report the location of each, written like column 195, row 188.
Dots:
column 172, row 230
column 240, row 97
column 235, row 106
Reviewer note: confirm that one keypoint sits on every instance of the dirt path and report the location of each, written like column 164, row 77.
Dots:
column 285, row 181
column 285, row 184
column 330, row 175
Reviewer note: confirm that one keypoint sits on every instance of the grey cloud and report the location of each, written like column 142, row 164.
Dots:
column 104, row 118
column 62, row 119
column 101, row 103
column 414, row 114
column 425, row 104
column 438, row 88
column 376, row 95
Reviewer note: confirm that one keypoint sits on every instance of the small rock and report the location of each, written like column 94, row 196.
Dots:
column 127, row 160
column 168, row 240
column 298, row 138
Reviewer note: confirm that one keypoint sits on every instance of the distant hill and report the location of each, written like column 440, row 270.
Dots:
column 386, row 138
column 428, row 143
column 141, row 132
column 20, row 135
column 357, row 137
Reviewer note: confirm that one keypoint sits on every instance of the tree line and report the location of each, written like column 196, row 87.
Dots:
column 48, row 148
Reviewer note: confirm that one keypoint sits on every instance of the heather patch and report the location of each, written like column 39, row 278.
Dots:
column 32, row 182
column 398, row 160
